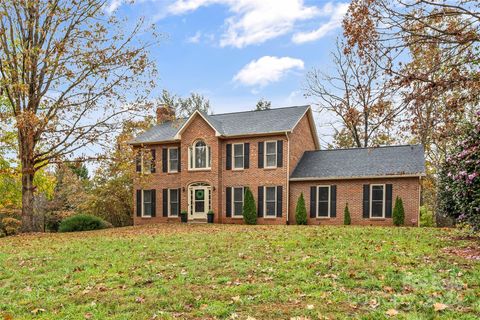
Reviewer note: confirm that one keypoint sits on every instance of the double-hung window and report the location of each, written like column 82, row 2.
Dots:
column 238, row 156
column 147, row 203
column 173, row 159
column 377, row 202
column 323, row 202
column 271, row 154
column 173, row 202
column 270, row 201
column 237, row 201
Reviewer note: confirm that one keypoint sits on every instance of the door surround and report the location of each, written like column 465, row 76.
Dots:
column 199, row 200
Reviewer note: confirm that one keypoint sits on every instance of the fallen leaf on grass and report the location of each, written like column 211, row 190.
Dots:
column 236, row 298
column 88, row 315
column 439, row 306
column 139, row 300
column 391, row 312
column 310, row 307
column 373, row 304
column 37, row 310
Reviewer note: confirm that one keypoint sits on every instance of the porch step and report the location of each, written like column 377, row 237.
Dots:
column 197, row 221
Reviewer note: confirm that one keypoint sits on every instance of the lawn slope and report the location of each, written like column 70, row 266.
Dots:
column 236, row 272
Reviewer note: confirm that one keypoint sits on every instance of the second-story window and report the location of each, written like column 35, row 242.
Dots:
column 238, row 156
column 172, row 159
column 200, row 156
column 271, row 154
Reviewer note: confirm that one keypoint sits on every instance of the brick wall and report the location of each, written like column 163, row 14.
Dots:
column 351, row 191
column 301, row 139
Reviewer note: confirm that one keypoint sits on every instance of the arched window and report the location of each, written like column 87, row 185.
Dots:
column 200, row 156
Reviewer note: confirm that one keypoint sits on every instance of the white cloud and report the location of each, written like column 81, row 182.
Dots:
column 114, row 4
column 336, row 14
column 253, row 21
column 266, row 70
column 195, row 38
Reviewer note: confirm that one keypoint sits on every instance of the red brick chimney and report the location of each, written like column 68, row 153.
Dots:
column 165, row 113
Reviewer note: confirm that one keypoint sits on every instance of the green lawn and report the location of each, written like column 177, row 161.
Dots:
column 237, row 272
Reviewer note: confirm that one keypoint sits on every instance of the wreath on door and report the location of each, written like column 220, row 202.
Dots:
column 199, row 194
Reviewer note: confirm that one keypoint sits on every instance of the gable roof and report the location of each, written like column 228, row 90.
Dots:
column 406, row 160
column 233, row 124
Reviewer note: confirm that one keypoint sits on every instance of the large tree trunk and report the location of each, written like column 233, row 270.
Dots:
column 27, row 200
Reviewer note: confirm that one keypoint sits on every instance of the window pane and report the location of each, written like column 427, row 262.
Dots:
column 271, row 160
column 377, row 208
column 377, row 192
column 323, row 194
column 147, row 209
column 238, row 208
column 173, row 195
column 238, row 149
column 147, row 196
column 238, row 163
column 271, row 147
column 271, row 209
column 238, row 194
column 200, row 156
column 270, row 193
column 323, row 209
column 173, row 209
column 173, row 153
column 173, row 165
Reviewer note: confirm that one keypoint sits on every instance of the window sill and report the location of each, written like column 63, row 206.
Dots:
column 270, row 168
column 377, row 219
column 172, row 172
column 324, row 218
column 269, row 217
column 145, row 217
column 238, row 169
column 236, row 217
column 199, row 170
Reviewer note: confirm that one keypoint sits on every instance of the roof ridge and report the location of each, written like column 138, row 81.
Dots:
column 246, row 111
column 377, row 147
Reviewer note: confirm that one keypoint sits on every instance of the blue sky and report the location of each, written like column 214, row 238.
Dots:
column 237, row 51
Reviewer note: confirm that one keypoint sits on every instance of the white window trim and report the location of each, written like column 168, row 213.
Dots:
column 192, row 155
column 233, row 202
column 265, row 155
column 329, row 201
column 265, row 203
column 143, row 205
column 371, row 200
column 168, row 160
column 169, row 203
column 233, row 156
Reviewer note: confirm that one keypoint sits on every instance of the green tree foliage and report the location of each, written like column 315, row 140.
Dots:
column 426, row 217
column 184, row 107
column 263, row 104
column 301, row 211
column 346, row 216
column 82, row 222
column 398, row 215
column 249, row 208
column 459, row 179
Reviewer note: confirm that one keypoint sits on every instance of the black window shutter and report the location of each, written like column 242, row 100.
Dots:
column 164, row 159
column 139, row 203
column 165, row 202
column 152, row 167
column 246, row 155
column 313, row 200
column 388, row 201
column 333, row 201
column 229, row 157
column 280, row 153
column 228, row 202
column 260, row 154
column 154, row 202
column 279, row 201
column 179, row 155
column 138, row 162
column 260, row 201
column 366, row 201
column 179, row 199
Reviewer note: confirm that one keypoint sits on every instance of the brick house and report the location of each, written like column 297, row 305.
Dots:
column 205, row 163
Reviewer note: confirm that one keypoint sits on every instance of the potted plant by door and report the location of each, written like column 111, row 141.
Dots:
column 184, row 216
column 210, row 216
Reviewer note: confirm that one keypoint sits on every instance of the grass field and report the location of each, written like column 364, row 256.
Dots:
column 239, row 272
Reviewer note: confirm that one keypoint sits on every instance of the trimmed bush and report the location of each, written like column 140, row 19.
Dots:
column 346, row 216
column 82, row 222
column 398, row 212
column 426, row 217
column 301, row 211
column 249, row 208
column 10, row 226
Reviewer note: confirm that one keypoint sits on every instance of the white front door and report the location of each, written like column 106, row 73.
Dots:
column 200, row 202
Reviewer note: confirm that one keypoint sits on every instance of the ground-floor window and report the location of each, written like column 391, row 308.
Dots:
column 377, row 202
column 323, row 201
column 147, row 203
column 270, row 201
column 237, row 201
column 173, row 200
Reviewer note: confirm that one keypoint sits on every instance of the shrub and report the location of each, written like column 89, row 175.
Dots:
column 346, row 216
column 398, row 212
column 82, row 222
column 249, row 208
column 11, row 226
column 426, row 217
column 301, row 211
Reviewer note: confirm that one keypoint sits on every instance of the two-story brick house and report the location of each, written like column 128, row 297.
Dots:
column 205, row 163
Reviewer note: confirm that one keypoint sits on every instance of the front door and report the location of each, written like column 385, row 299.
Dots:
column 199, row 202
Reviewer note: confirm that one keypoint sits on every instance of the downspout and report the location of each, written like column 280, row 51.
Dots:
column 288, row 176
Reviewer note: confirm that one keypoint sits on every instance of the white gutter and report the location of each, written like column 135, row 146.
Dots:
column 359, row 177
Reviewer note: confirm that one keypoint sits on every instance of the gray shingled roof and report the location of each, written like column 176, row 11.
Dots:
column 232, row 124
column 361, row 162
